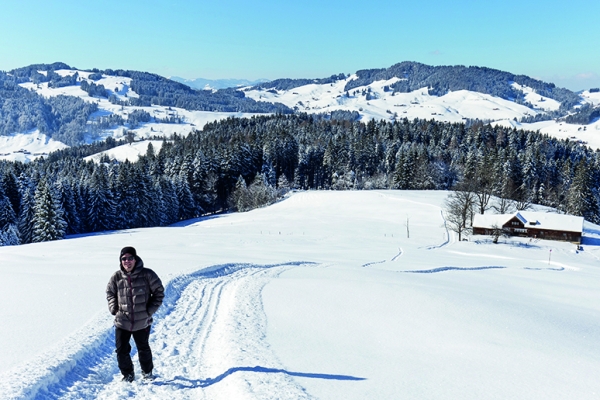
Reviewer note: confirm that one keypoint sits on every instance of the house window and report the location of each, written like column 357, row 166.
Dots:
column 515, row 223
column 520, row 230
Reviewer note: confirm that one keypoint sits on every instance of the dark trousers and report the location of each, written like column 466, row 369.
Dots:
column 122, row 338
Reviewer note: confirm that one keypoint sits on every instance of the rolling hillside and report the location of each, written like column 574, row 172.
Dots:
column 71, row 106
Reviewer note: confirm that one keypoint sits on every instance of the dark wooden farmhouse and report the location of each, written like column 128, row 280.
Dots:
column 539, row 225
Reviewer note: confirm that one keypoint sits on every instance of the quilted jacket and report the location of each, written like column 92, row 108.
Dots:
column 134, row 297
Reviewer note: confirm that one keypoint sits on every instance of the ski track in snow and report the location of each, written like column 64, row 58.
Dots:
column 382, row 261
column 210, row 329
column 447, row 241
column 397, row 255
column 443, row 269
column 373, row 263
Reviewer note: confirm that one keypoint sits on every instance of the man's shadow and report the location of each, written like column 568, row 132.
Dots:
column 183, row 383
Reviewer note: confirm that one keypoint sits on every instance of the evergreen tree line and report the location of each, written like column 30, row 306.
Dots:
column 585, row 115
column 287, row 84
column 239, row 164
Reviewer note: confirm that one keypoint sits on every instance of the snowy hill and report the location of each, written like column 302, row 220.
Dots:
column 325, row 295
column 375, row 101
column 36, row 143
column 369, row 94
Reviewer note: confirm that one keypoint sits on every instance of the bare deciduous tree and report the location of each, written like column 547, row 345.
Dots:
column 498, row 231
column 503, row 206
column 459, row 211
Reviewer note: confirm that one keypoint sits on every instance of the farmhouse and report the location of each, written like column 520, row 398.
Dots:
column 531, row 224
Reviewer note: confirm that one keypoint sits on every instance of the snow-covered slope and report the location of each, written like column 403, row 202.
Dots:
column 325, row 295
column 120, row 87
column 591, row 97
column 27, row 146
column 130, row 152
column 373, row 101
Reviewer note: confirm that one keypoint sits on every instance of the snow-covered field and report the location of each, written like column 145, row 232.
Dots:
column 129, row 152
column 325, row 295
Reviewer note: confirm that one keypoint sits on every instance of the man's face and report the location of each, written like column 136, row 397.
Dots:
column 128, row 262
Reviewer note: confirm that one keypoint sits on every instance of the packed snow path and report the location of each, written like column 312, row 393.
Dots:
column 208, row 342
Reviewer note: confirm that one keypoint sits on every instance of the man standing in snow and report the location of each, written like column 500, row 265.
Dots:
column 134, row 293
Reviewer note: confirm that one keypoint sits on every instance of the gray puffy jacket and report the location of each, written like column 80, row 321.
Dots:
column 134, row 297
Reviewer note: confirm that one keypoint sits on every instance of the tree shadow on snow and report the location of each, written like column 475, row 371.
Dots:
column 183, row 383
column 188, row 222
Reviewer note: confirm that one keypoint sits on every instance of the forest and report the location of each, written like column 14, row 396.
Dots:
column 239, row 164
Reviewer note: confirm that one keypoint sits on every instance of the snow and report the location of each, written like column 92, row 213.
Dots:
column 130, row 151
column 324, row 295
column 27, row 146
column 452, row 107
column 121, row 88
column 538, row 101
column 456, row 106
column 587, row 135
column 593, row 98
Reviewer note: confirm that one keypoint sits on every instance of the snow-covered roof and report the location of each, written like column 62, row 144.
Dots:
column 490, row 221
column 532, row 219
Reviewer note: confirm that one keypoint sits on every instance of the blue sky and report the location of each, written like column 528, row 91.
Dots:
column 555, row 41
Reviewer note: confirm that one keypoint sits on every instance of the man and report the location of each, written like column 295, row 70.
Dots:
column 134, row 293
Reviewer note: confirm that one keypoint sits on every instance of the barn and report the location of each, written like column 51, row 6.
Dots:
column 539, row 225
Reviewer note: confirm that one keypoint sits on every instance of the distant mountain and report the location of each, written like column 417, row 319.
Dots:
column 410, row 76
column 74, row 106
column 208, row 84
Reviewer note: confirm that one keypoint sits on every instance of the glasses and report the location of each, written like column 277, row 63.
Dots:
column 130, row 258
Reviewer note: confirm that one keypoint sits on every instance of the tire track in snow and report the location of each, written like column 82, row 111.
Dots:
column 211, row 329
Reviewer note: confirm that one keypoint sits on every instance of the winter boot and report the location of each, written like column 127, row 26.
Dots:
column 147, row 375
column 128, row 378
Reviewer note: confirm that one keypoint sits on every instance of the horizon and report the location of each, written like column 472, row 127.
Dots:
column 270, row 41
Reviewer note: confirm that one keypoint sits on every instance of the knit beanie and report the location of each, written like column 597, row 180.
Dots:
column 128, row 250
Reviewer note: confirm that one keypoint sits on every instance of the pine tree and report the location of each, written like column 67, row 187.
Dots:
column 126, row 202
column 169, row 203
column 67, row 201
column 48, row 221
column 187, row 207
column 11, row 189
column 9, row 233
column 240, row 197
column 101, row 206
column 261, row 193
column 581, row 199
column 27, row 210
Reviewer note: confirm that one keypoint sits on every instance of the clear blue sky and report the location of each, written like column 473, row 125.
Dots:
column 556, row 41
